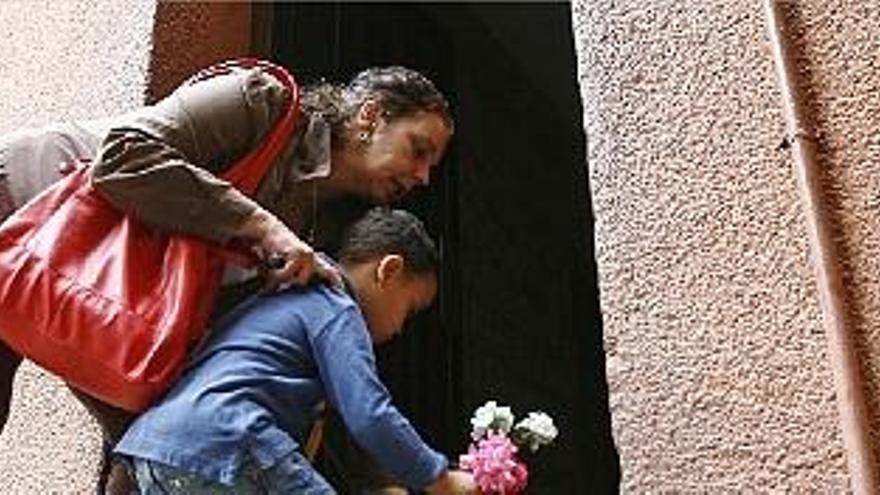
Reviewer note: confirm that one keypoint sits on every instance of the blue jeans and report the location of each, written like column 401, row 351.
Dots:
column 291, row 475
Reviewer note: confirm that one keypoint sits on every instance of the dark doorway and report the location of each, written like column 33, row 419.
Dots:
column 518, row 319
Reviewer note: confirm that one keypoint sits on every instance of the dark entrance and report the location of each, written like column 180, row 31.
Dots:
column 518, row 320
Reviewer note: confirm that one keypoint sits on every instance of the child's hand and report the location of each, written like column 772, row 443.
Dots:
column 453, row 482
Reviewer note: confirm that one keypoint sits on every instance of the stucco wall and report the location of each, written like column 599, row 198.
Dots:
column 82, row 59
column 717, row 359
column 71, row 60
column 840, row 58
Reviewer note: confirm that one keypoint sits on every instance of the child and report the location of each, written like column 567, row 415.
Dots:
column 236, row 421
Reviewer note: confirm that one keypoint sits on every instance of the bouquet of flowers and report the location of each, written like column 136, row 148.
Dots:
column 492, row 456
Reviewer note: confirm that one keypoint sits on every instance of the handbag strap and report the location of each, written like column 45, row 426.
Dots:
column 247, row 173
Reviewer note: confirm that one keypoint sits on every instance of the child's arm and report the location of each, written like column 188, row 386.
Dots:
column 344, row 356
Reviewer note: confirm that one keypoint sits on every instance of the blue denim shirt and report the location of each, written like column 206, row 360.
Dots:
column 253, row 391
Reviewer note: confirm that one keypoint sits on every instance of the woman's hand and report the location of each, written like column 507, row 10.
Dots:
column 287, row 259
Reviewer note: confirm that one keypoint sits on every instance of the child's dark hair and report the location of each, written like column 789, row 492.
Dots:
column 384, row 231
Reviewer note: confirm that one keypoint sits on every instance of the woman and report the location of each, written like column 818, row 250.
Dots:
column 374, row 139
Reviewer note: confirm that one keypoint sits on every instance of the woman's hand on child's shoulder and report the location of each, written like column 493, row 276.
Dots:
column 289, row 260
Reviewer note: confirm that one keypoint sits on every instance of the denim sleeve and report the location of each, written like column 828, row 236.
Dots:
column 344, row 356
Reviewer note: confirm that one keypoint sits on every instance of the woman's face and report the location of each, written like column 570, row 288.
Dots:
column 399, row 155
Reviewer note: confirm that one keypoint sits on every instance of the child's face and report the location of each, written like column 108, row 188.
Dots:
column 392, row 295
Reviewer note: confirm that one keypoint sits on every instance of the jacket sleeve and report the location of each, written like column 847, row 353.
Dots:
column 161, row 164
column 346, row 363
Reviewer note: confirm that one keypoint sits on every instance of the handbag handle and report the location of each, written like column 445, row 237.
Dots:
column 247, row 173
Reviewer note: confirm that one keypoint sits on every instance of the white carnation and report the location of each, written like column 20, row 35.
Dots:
column 537, row 429
column 491, row 418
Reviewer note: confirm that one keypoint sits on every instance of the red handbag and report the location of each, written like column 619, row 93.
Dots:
column 105, row 302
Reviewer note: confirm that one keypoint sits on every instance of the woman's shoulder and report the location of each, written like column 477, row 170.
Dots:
column 257, row 86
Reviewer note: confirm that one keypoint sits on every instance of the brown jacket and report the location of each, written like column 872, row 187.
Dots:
column 161, row 163
column 30, row 158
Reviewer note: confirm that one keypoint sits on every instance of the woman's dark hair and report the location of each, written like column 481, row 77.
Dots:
column 385, row 231
column 400, row 92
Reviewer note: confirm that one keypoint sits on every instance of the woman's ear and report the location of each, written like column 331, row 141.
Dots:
column 389, row 267
column 368, row 114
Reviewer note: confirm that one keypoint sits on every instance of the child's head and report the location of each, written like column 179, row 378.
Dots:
column 392, row 264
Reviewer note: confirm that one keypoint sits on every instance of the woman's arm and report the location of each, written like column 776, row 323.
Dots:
column 161, row 164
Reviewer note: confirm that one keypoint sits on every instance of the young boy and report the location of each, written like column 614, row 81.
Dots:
column 236, row 421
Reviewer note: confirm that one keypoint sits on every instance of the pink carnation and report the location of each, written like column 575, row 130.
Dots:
column 494, row 465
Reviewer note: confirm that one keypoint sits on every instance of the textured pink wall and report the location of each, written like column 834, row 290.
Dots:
column 717, row 358
column 71, row 60
column 840, row 57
